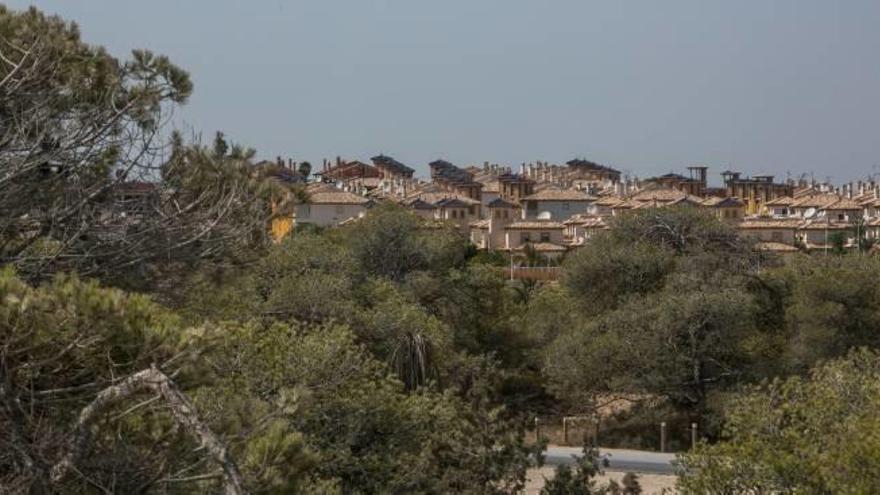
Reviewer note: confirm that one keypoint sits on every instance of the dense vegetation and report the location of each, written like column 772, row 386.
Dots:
column 177, row 349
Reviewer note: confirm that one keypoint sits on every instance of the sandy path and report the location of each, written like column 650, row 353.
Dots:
column 651, row 483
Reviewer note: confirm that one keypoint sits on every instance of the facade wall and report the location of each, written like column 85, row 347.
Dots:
column 326, row 215
column 818, row 236
column 516, row 238
column 462, row 217
column 785, row 236
column 559, row 210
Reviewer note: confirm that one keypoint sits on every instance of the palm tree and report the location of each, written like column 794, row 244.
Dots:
column 412, row 359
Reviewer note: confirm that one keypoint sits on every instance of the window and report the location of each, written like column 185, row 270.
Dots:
column 472, row 210
column 498, row 213
column 453, row 213
column 525, row 237
column 545, row 236
column 505, row 213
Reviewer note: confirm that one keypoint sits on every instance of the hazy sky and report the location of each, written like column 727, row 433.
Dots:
column 761, row 86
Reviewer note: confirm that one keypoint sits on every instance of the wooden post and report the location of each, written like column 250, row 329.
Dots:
column 693, row 435
column 663, row 436
column 537, row 430
column 564, row 431
column 596, row 433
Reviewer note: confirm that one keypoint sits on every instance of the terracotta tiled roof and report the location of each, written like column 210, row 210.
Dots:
column 815, row 201
column 592, row 166
column 534, row 225
column 456, row 202
column 717, row 202
column 553, row 194
column 419, row 204
column 687, row 199
column 629, row 205
column 436, row 197
column 501, row 203
column 609, row 201
column 660, row 194
column 587, row 221
column 392, row 164
column 825, row 225
column 866, row 199
column 780, row 201
column 843, row 204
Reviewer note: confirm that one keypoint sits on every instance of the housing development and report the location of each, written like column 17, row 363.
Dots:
column 557, row 208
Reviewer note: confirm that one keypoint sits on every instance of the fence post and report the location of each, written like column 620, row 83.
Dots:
column 596, row 432
column 537, row 430
column 693, row 435
column 663, row 436
column 564, row 431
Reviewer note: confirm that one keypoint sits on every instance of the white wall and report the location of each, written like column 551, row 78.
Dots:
column 324, row 215
column 559, row 210
column 513, row 238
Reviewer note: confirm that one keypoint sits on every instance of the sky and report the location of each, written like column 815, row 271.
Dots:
column 649, row 87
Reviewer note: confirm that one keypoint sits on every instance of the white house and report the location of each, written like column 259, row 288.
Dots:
column 556, row 204
column 329, row 207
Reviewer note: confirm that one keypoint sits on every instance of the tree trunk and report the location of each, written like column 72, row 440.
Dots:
column 182, row 410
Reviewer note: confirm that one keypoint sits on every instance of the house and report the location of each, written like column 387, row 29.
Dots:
column 872, row 230
column 593, row 175
column 779, row 207
column 490, row 192
column 819, row 234
column 808, row 205
column 548, row 250
column 422, row 208
column 532, row 231
column 755, row 191
column 345, row 171
column 455, row 180
column 389, row 168
column 460, row 210
column 490, row 233
column 558, row 204
column 727, row 209
column 604, row 206
column 842, row 210
column 514, row 187
column 133, row 198
column 581, row 228
column 694, row 185
column 662, row 196
column 784, row 231
column 328, row 206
